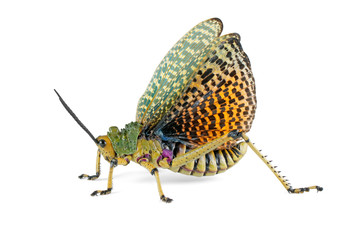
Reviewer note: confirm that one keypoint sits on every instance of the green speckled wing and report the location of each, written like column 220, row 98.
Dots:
column 175, row 72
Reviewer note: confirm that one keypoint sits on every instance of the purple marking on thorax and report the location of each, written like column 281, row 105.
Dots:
column 144, row 158
column 166, row 154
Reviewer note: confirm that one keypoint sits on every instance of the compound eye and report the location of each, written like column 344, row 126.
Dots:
column 102, row 143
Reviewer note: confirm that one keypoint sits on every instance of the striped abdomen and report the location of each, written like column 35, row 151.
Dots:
column 212, row 163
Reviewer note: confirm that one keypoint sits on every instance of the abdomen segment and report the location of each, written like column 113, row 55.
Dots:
column 214, row 162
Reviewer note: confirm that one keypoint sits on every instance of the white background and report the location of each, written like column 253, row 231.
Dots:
column 100, row 55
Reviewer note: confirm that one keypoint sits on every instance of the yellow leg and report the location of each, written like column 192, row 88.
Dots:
column 93, row 177
column 113, row 164
column 154, row 171
column 276, row 173
column 199, row 151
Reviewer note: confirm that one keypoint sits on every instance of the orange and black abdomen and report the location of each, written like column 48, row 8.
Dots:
column 214, row 162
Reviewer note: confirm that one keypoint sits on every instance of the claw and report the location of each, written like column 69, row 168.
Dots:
column 104, row 192
column 92, row 177
column 166, row 199
column 82, row 176
column 95, row 193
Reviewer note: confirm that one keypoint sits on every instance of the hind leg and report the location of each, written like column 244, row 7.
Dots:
column 276, row 173
column 167, row 161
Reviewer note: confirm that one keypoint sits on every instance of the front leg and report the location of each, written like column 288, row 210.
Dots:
column 93, row 177
column 109, row 188
column 113, row 164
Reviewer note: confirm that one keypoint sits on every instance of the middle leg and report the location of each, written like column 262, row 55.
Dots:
column 154, row 171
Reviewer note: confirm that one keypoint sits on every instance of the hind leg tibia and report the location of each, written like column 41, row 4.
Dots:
column 282, row 179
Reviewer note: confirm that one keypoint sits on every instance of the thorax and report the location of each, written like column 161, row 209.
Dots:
column 150, row 149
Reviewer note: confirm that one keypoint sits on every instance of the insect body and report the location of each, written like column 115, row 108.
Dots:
column 194, row 114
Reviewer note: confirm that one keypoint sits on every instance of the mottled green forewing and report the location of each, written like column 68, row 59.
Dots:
column 175, row 72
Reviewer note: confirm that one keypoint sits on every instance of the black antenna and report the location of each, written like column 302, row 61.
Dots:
column 76, row 118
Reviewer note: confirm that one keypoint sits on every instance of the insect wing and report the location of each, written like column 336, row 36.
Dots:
column 220, row 98
column 175, row 71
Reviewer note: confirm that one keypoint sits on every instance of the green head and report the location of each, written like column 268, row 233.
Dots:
column 124, row 142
